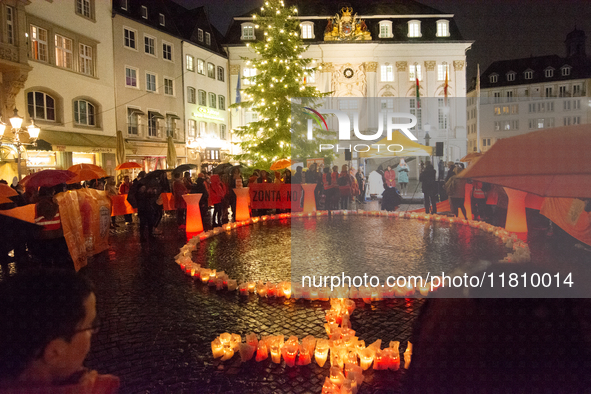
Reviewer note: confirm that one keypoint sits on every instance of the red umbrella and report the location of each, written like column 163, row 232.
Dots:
column 7, row 191
column 47, row 178
column 127, row 166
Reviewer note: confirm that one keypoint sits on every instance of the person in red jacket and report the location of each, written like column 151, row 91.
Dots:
column 124, row 189
column 217, row 192
column 390, row 177
column 178, row 189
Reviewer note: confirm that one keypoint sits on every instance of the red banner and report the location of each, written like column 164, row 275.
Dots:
column 276, row 196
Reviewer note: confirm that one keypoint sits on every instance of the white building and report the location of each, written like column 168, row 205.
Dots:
column 518, row 96
column 69, row 91
column 378, row 55
column 205, row 85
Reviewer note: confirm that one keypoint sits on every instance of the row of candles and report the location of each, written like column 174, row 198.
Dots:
column 349, row 356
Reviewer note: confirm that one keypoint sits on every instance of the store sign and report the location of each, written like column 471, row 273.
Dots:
column 208, row 113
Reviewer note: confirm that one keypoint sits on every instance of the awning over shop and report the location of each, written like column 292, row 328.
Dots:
column 63, row 141
column 173, row 116
column 398, row 146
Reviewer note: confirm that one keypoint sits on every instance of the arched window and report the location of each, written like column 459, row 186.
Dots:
column 442, row 28
column 414, row 28
column 247, row 31
column 41, row 106
column 386, row 29
column 307, row 30
column 84, row 113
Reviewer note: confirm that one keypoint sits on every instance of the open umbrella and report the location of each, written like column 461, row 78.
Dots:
column 220, row 169
column 185, row 167
column 549, row 163
column 7, row 191
column 170, row 154
column 47, row 178
column 86, row 172
column 281, row 164
column 128, row 165
column 471, row 156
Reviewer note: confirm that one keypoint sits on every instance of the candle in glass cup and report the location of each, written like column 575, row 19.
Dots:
column 304, row 358
column 290, row 351
column 232, row 284
column 407, row 355
column 262, row 351
column 365, row 359
column 225, row 338
column 336, row 375
column 287, row 289
column 217, row 348
column 243, row 288
column 275, row 353
column 321, row 352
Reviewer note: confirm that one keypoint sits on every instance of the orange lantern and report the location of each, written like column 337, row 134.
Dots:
column 516, row 221
column 309, row 199
column 194, row 223
column 242, row 199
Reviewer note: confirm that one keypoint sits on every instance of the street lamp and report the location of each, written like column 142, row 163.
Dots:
column 16, row 123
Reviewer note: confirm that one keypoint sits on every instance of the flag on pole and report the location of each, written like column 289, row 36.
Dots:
column 446, row 86
column 418, row 93
column 238, row 98
column 478, row 80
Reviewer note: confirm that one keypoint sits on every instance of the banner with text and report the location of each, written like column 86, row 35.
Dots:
column 276, row 196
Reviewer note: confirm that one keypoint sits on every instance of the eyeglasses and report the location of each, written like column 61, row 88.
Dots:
column 95, row 328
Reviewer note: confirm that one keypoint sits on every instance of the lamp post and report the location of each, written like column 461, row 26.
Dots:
column 16, row 123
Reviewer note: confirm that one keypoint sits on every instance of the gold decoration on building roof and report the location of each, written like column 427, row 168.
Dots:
column 346, row 27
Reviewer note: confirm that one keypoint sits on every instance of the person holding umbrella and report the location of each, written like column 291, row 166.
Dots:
column 178, row 190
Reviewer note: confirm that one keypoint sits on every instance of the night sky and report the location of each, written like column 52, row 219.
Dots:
column 500, row 29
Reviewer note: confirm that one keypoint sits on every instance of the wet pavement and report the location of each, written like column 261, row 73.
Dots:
column 157, row 324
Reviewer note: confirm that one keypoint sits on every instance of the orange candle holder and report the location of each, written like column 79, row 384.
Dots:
column 194, row 223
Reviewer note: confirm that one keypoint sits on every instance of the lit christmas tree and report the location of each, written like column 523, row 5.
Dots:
column 281, row 74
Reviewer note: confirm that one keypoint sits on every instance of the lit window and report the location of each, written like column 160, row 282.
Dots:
column 386, row 29
column 221, row 74
column 63, row 52
column 149, row 45
column 83, row 7
column 307, row 30
column 162, row 19
column 493, row 78
column 211, row 70
column 84, row 113
column 167, row 51
column 150, row 82
column 414, row 72
column 248, row 73
column 510, row 76
column 200, row 66
column 223, row 135
column 132, row 121
column 39, row 43
column 202, row 129
column 442, row 114
column 213, row 129
column 190, row 63
column 131, row 77
column 200, row 35
column 144, row 12
column 191, row 95
column 129, row 38
column 222, row 103
column 247, row 31
column 414, row 28
column 565, row 71
column 387, row 72
column 417, row 112
column 207, row 39
column 192, row 129
column 86, row 65
column 168, row 87
column 202, row 97
column 549, row 72
column 441, row 69
column 212, row 100
column 442, row 28
column 10, row 25
column 41, row 106
column 529, row 74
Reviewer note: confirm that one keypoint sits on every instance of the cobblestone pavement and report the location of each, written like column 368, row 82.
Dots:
column 157, row 326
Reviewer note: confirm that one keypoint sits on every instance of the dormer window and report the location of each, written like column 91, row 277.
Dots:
column 442, row 28
column 144, row 12
column 528, row 74
column 207, row 38
column 386, row 29
column 511, row 76
column 565, row 71
column 247, row 31
column 414, row 28
column 549, row 72
column 200, row 35
column 493, row 78
column 162, row 19
column 307, row 30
